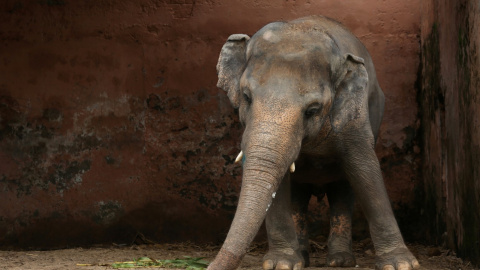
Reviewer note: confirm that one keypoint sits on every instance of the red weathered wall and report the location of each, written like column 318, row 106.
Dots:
column 111, row 124
column 450, row 107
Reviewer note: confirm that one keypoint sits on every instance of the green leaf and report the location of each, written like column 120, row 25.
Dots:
column 187, row 263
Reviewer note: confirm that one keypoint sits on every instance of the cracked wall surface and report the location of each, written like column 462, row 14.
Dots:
column 111, row 124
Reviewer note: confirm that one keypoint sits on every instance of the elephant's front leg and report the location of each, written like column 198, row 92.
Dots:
column 283, row 245
column 363, row 172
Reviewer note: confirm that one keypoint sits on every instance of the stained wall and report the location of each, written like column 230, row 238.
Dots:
column 450, row 109
column 111, row 126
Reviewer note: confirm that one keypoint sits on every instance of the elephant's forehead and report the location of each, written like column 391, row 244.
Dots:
column 290, row 40
column 297, row 67
column 288, row 46
column 297, row 55
column 279, row 77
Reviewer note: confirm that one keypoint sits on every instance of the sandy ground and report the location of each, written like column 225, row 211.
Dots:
column 100, row 258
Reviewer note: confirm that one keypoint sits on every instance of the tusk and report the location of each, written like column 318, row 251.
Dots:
column 239, row 157
column 292, row 167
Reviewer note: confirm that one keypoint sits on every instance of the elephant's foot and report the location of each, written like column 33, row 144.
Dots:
column 288, row 260
column 397, row 259
column 341, row 259
column 340, row 253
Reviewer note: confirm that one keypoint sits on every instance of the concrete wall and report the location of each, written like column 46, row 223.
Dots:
column 450, row 107
column 111, row 124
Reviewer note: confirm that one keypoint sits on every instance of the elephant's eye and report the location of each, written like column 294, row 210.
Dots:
column 247, row 98
column 312, row 111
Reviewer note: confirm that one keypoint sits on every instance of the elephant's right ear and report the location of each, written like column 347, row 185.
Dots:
column 230, row 66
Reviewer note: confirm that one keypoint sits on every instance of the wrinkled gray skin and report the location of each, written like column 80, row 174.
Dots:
column 306, row 92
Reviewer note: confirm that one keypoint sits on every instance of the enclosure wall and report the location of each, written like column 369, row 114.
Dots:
column 450, row 108
column 111, row 126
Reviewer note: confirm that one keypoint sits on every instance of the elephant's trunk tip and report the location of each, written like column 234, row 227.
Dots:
column 225, row 260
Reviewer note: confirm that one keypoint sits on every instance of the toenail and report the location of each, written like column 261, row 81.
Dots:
column 268, row 265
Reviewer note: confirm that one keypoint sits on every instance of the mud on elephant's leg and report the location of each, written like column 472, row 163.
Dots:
column 340, row 198
column 284, row 250
column 301, row 194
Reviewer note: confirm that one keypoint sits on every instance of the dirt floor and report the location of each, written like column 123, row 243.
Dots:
column 100, row 258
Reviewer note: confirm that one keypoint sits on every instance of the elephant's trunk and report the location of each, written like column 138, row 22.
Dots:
column 268, row 155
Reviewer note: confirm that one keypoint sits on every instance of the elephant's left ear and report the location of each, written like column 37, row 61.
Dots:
column 350, row 92
column 230, row 66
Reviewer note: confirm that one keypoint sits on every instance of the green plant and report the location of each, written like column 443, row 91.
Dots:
column 187, row 263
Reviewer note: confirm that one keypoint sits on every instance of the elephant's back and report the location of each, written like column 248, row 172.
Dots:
column 344, row 39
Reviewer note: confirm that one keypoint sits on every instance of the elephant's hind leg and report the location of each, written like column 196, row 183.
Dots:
column 283, row 247
column 340, row 198
column 301, row 194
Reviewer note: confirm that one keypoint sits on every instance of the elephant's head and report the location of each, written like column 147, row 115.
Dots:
column 286, row 81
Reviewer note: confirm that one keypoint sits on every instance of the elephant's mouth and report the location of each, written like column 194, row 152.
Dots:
column 241, row 157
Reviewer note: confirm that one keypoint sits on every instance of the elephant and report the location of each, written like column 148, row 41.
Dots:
column 308, row 98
